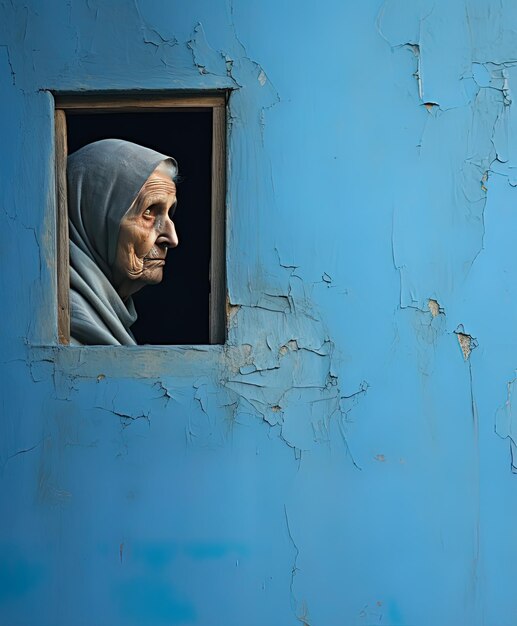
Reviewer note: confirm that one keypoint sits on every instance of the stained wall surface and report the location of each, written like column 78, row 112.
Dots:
column 348, row 456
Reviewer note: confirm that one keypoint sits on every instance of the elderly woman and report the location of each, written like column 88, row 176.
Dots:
column 121, row 198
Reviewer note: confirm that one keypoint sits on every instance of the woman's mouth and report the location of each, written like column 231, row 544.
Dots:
column 148, row 259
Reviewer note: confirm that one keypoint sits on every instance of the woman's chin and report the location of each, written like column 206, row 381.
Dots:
column 152, row 276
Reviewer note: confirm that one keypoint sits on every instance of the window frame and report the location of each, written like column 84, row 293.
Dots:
column 68, row 104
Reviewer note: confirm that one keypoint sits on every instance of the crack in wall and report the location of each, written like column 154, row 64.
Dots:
column 506, row 423
column 294, row 568
column 126, row 419
column 21, row 452
column 9, row 62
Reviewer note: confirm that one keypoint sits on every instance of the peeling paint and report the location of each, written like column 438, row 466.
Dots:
column 434, row 307
column 467, row 342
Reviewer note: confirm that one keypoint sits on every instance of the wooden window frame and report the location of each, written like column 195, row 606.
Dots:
column 68, row 104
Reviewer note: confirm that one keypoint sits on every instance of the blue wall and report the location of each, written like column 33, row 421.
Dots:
column 347, row 458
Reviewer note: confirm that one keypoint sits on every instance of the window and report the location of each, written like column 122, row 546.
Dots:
column 188, row 306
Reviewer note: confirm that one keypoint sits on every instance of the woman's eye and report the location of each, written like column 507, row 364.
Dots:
column 147, row 213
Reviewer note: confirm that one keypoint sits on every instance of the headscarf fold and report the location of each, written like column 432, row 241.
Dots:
column 103, row 179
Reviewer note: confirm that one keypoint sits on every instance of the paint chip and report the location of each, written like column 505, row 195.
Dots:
column 291, row 345
column 434, row 307
column 484, row 178
column 231, row 310
column 466, row 341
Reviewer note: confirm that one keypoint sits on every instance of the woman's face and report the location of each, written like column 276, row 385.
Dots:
column 146, row 233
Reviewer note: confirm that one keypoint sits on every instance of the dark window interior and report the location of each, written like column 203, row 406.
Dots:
column 177, row 310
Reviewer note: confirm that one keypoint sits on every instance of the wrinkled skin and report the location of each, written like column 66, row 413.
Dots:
column 146, row 233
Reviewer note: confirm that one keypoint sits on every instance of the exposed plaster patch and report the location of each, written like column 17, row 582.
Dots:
column 231, row 310
column 467, row 342
column 292, row 344
column 484, row 179
column 434, row 307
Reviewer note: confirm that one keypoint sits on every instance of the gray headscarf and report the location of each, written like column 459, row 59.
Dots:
column 104, row 178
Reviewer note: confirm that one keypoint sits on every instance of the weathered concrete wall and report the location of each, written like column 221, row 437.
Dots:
column 347, row 456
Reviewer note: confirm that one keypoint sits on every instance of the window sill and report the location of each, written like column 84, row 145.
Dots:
column 129, row 361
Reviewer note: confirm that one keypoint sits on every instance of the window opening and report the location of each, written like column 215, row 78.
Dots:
column 188, row 306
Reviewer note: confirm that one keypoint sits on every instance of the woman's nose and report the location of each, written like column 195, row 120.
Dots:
column 168, row 235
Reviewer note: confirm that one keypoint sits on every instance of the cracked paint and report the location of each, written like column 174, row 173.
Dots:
column 506, row 425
